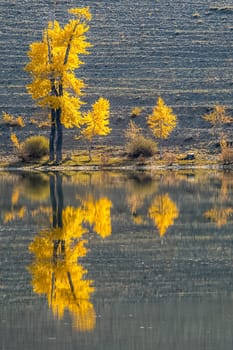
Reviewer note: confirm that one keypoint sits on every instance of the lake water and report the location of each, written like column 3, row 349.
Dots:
column 116, row 260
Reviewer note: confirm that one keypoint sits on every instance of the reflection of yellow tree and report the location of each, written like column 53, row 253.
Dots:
column 219, row 215
column 163, row 211
column 97, row 214
column 58, row 274
column 56, row 270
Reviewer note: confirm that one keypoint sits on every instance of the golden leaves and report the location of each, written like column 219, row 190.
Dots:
column 219, row 215
column 56, row 270
column 96, row 121
column 162, row 120
column 52, row 62
column 218, row 116
column 163, row 211
column 98, row 215
column 81, row 12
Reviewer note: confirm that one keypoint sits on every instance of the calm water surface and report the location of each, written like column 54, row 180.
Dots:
column 116, row 260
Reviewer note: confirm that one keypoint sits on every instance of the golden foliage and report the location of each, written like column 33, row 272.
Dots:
column 10, row 120
column 136, row 111
column 56, row 270
column 98, row 215
column 52, row 65
column 14, row 214
column 59, row 275
column 15, row 141
column 162, row 120
column 40, row 123
column 15, row 196
column 96, row 121
column 163, row 211
column 133, row 131
column 219, row 215
column 218, row 116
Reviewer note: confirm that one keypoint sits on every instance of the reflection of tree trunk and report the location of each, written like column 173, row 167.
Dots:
column 59, row 245
column 71, row 284
column 56, row 197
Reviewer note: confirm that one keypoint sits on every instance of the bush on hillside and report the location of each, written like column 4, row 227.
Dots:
column 141, row 146
column 34, row 147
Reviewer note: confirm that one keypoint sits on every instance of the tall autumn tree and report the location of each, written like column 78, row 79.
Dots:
column 52, row 65
column 162, row 121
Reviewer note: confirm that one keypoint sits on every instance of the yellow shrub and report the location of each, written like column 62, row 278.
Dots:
column 15, row 140
column 10, row 120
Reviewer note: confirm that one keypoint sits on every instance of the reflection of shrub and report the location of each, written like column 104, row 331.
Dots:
column 34, row 147
column 141, row 146
column 35, row 187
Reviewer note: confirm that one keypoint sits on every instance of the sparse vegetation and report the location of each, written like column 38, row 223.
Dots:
column 217, row 118
column 226, row 155
column 12, row 121
column 135, row 112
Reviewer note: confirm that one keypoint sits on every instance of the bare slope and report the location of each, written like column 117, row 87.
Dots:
column 142, row 49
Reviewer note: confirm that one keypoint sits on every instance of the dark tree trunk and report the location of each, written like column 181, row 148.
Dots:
column 56, row 136
column 52, row 135
column 59, row 137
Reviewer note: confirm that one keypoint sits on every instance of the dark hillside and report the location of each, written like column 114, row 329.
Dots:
column 181, row 50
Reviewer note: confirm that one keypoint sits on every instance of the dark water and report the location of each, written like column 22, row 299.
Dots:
column 116, row 260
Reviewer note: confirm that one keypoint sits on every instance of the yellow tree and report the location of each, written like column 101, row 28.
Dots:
column 96, row 121
column 162, row 121
column 218, row 117
column 52, row 65
column 163, row 211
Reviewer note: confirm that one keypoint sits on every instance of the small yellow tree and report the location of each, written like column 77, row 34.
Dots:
column 162, row 121
column 218, row 117
column 96, row 121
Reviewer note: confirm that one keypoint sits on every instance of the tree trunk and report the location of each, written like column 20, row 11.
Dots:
column 52, row 135
column 59, row 137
